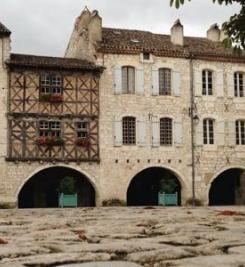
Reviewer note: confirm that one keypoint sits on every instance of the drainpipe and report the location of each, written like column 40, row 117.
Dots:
column 2, row 52
column 192, row 114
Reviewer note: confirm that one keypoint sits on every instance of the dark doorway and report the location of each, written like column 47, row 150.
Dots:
column 145, row 186
column 41, row 191
column 227, row 188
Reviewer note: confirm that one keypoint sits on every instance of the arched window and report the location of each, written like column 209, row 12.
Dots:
column 129, row 131
column 166, row 131
column 208, row 131
column 239, row 84
column 128, row 80
column 164, row 81
column 207, row 82
column 240, row 132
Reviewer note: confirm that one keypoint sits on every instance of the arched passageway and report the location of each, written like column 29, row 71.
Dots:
column 145, row 186
column 228, row 188
column 42, row 189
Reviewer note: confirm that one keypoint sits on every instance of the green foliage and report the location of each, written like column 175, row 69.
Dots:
column 168, row 185
column 67, row 185
column 113, row 203
column 234, row 28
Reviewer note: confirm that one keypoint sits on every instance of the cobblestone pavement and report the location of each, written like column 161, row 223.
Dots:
column 151, row 237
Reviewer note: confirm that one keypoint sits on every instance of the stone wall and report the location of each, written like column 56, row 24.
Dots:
column 120, row 164
column 212, row 160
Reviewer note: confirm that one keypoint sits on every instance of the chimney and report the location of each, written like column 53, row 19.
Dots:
column 95, row 27
column 177, row 33
column 223, row 36
column 213, row 33
column 83, row 20
column 79, row 44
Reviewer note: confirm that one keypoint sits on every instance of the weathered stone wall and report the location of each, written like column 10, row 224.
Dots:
column 15, row 174
column 4, row 55
column 120, row 164
column 212, row 160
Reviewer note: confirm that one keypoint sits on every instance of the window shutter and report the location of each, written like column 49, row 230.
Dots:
column 230, row 85
column 117, row 132
column 220, row 83
column 198, row 82
column 199, row 134
column 232, row 133
column 141, row 132
column 155, row 82
column 140, row 81
column 176, row 83
column 220, row 133
column 155, row 132
column 178, row 132
column 118, row 80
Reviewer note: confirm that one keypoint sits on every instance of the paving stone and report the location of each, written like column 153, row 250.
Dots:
column 148, row 237
column 104, row 264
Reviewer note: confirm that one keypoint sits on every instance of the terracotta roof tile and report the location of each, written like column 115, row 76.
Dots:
column 51, row 62
column 4, row 30
column 123, row 41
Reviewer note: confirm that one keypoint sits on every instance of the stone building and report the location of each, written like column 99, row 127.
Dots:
column 50, row 127
column 170, row 108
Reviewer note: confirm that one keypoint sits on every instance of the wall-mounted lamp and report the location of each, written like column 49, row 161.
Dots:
column 195, row 119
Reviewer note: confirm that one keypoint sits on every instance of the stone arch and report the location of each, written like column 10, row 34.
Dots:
column 229, row 179
column 69, row 169
column 156, row 170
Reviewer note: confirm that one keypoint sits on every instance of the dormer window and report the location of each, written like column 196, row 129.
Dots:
column 146, row 56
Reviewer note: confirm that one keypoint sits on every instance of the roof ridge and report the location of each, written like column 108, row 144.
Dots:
column 153, row 33
column 45, row 56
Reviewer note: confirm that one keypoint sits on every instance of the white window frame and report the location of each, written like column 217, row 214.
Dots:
column 237, row 91
column 208, row 120
column 82, row 129
column 205, row 82
column 240, row 139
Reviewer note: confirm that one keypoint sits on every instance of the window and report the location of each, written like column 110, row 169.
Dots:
column 51, row 84
column 239, row 84
column 207, row 82
column 128, row 80
column 240, row 132
column 164, row 81
column 82, row 129
column 146, row 56
column 129, row 131
column 49, row 128
column 166, row 131
column 208, row 131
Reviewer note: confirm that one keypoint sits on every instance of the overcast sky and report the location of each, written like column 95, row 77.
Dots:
column 43, row 27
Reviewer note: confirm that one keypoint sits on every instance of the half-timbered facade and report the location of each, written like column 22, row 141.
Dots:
column 53, row 109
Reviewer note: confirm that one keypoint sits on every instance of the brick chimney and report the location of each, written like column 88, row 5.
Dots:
column 213, row 33
column 177, row 33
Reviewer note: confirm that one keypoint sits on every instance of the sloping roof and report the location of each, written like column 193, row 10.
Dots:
column 124, row 41
column 4, row 30
column 51, row 62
